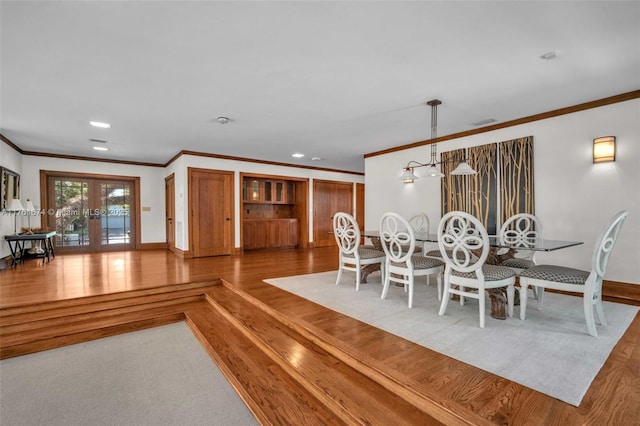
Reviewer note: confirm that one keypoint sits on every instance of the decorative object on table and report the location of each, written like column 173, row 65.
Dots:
column 588, row 283
column 30, row 210
column 604, row 149
column 36, row 246
column 353, row 256
column 15, row 207
column 402, row 265
column 408, row 175
column 10, row 187
column 458, row 234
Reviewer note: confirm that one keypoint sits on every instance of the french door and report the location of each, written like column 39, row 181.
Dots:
column 91, row 214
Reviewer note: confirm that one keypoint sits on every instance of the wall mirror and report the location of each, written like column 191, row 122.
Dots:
column 10, row 187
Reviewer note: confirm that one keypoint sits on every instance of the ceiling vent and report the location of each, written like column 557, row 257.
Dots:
column 483, row 122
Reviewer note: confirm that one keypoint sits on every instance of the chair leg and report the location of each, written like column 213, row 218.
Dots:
column 439, row 279
column 411, row 279
column 339, row 274
column 358, row 275
column 461, row 296
column 523, row 300
column 588, row 315
column 481, row 300
column 445, row 298
column 540, row 297
column 510, row 298
column 599, row 310
column 385, row 285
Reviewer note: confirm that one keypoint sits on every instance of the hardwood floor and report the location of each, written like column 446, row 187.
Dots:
column 154, row 283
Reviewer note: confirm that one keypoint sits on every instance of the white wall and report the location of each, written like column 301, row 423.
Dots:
column 574, row 197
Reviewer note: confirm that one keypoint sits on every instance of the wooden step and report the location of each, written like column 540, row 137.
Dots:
column 25, row 330
column 416, row 394
column 351, row 395
column 271, row 394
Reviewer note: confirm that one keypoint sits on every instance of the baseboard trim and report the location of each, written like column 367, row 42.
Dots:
column 618, row 290
column 153, row 246
column 184, row 254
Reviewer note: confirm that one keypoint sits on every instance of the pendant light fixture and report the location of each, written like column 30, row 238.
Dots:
column 408, row 175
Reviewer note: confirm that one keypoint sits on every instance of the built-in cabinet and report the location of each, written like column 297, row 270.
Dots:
column 269, row 213
column 268, row 191
column 270, row 233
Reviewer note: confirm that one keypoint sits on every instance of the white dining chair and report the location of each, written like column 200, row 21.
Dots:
column 402, row 264
column 587, row 283
column 460, row 234
column 520, row 231
column 352, row 255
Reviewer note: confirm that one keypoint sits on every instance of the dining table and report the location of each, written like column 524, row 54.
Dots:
column 498, row 295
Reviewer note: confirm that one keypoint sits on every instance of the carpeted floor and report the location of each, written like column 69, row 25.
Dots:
column 158, row 376
column 550, row 351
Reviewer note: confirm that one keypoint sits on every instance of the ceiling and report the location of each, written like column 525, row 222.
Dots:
column 334, row 80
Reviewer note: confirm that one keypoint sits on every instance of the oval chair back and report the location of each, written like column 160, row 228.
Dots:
column 353, row 256
column 402, row 265
column 464, row 246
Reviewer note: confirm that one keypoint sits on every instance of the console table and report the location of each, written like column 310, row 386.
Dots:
column 19, row 252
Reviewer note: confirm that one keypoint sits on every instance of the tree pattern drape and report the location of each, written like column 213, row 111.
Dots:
column 516, row 174
column 454, row 188
column 483, row 186
column 502, row 186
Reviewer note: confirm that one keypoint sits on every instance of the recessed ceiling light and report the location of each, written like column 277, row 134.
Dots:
column 548, row 56
column 316, row 159
column 100, row 124
column 223, row 120
column 100, row 148
column 98, row 140
column 297, row 155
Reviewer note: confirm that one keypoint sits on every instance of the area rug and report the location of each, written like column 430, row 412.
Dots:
column 158, row 376
column 550, row 351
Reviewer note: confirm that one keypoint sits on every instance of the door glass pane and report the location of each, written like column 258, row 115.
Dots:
column 114, row 214
column 279, row 191
column 71, row 212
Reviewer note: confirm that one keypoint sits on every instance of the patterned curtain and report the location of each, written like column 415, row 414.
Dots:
column 504, row 169
column 454, row 188
column 483, row 186
column 516, row 175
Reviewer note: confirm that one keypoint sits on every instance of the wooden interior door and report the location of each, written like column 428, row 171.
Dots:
column 360, row 207
column 329, row 197
column 170, row 211
column 211, row 206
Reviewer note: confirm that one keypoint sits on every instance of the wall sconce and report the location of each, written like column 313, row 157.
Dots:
column 604, row 149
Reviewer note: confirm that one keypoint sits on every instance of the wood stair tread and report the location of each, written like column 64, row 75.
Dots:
column 359, row 398
column 271, row 394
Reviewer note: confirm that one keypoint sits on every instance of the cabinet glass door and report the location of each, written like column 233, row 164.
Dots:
column 279, row 192
column 255, row 190
column 267, row 191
